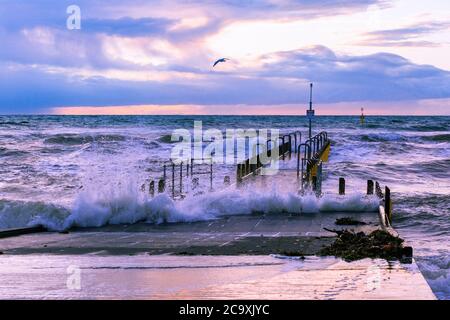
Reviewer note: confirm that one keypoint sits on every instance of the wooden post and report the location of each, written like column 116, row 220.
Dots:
column 388, row 204
column 341, row 186
column 152, row 188
column 314, row 183
column 370, row 187
column 378, row 191
column 161, row 186
column 238, row 173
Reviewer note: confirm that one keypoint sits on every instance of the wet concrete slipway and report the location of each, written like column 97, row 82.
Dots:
column 232, row 257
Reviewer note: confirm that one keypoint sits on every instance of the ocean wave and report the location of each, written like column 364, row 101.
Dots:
column 167, row 138
column 436, row 270
column 75, row 139
column 4, row 152
column 96, row 209
column 382, row 137
column 436, row 167
column 427, row 127
column 437, row 138
column 14, row 123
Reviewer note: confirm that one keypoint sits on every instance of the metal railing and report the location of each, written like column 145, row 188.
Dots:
column 175, row 176
column 251, row 165
column 312, row 152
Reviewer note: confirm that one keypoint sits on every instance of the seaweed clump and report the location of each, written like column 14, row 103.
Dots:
column 353, row 246
column 349, row 222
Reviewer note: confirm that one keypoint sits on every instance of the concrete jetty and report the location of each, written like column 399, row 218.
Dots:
column 257, row 256
column 238, row 257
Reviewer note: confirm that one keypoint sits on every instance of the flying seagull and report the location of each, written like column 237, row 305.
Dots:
column 219, row 61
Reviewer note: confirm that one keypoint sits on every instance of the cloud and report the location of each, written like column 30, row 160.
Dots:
column 377, row 77
column 282, row 79
column 155, row 53
column 405, row 37
column 128, row 26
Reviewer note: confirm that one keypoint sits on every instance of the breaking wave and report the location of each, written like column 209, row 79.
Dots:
column 382, row 137
column 436, row 270
column 11, row 153
column 438, row 138
column 74, row 139
column 91, row 209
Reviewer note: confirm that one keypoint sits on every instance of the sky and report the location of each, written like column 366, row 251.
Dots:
column 156, row 57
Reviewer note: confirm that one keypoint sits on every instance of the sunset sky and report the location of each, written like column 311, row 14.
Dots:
column 155, row 57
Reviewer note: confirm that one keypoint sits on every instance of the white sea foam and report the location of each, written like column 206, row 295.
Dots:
column 128, row 205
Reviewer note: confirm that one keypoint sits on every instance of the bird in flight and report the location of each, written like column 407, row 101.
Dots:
column 220, row 60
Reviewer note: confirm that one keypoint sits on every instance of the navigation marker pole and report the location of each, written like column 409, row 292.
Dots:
column 362, row 118
column 310, row 112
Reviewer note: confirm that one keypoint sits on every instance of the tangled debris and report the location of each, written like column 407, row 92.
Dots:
column 353, row 246
column 347, row 221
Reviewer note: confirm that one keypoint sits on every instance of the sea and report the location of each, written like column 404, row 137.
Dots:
column 90, row 171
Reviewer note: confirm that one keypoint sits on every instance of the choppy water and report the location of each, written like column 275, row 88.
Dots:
column 64, row 171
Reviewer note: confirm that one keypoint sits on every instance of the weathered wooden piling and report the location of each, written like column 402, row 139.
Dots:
column 341, row 186
column 151, row 189
column 378, row 191
column 388, row 203
column 161, row 185
column 314, row 183
column 370, row 187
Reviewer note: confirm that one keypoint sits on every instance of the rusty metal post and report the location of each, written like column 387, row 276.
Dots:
column 173, row 180
column 181, row 178
column 341, row 186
